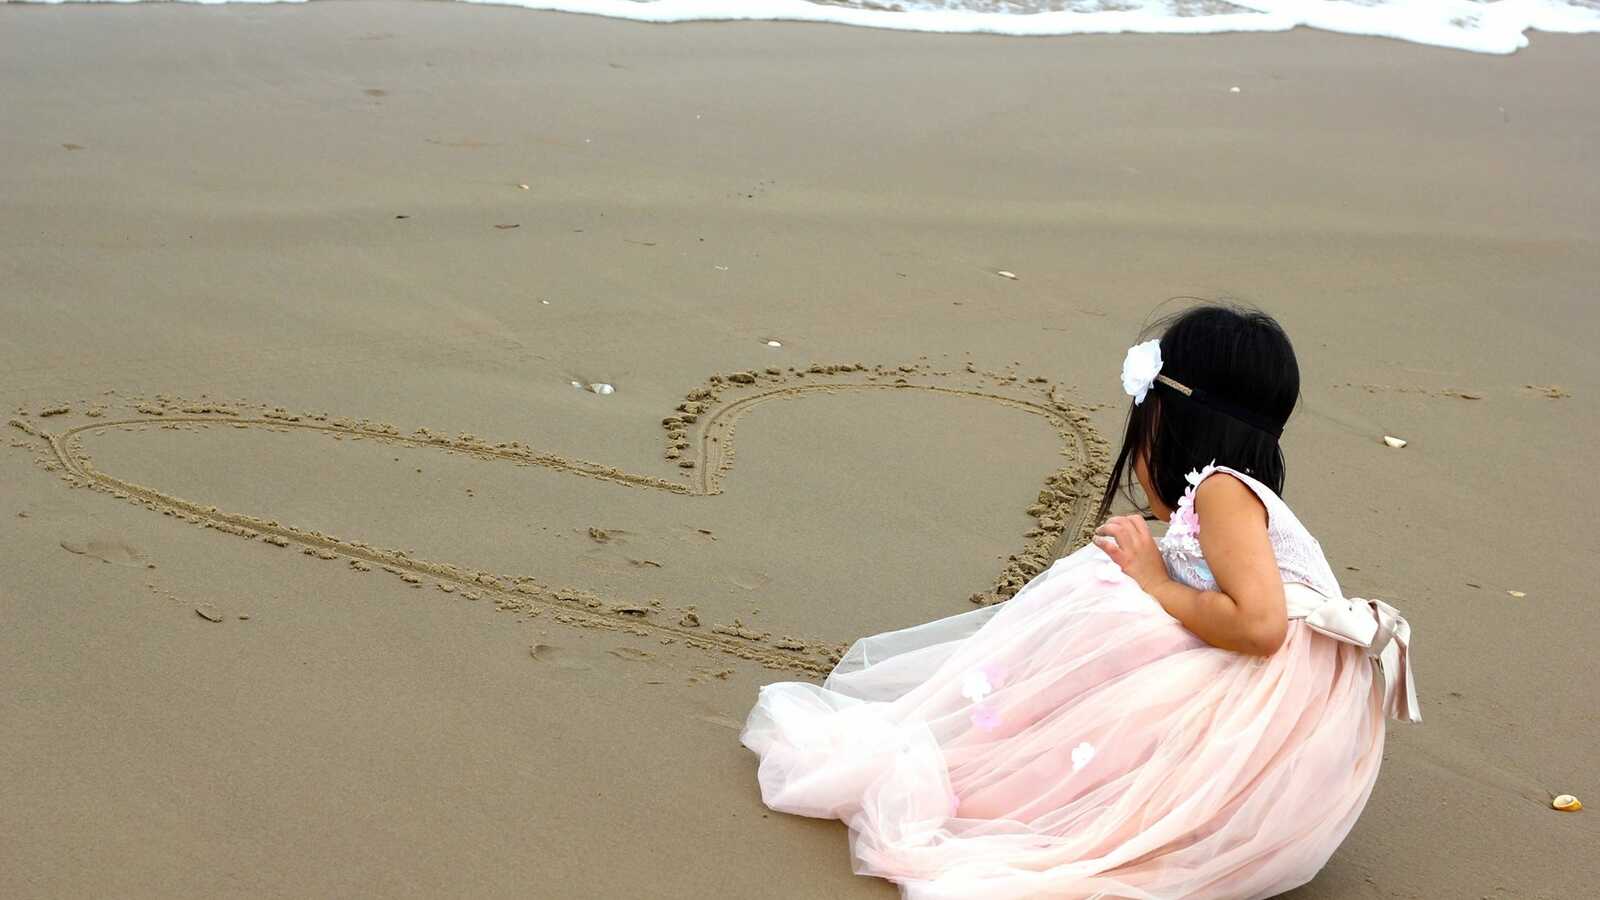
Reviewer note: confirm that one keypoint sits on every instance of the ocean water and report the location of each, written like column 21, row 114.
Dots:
column 1481, row 26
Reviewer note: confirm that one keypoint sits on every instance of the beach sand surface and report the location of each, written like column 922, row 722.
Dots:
column 281, row 228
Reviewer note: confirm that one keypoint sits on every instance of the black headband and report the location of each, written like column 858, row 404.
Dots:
column 1225, row 406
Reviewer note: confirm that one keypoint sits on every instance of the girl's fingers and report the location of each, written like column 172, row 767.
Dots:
column 1113, row 526
column 1109, row 545
column 1124, row 538
column 1141, row 533
column 1140, row 526
column 1116, row 539
column 1120, row 529
column 1112, row 534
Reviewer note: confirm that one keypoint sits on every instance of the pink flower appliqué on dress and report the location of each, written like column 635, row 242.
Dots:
column 978, row 684
column 983, row 681
column 985, row 718
column 1185, row 521
column 1082, row 755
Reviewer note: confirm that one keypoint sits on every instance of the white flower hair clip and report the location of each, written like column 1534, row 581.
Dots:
column 1140, row 368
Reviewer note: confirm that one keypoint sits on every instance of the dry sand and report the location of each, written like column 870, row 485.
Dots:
column 319, row 577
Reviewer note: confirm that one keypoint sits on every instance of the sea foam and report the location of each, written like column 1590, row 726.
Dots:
column 1481, row 26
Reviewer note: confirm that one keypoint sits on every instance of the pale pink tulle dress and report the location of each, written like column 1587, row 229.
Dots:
column 1077, row 741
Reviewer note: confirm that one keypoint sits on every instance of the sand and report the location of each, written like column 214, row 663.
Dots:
column 325, row 571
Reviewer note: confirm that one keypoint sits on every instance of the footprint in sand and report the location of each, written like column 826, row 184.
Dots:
column 720, row 721
column 556, row 657
column 607, row 535
column 631, row 654
column 106, row 549
column 608, row 552
column 749, row 579
column 698, row 536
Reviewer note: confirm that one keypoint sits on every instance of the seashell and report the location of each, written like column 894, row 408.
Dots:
column 1004, row 274
column 1517, row 594
column 602, row 388
column 1566, row 803
column 1393, row 442
column 774, row 343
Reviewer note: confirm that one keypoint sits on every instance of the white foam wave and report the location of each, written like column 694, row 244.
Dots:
column 1482, row 26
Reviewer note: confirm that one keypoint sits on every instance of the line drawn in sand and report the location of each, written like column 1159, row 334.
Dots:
column 699, row 437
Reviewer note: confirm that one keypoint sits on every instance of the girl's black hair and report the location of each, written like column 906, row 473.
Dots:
column 1235, row 356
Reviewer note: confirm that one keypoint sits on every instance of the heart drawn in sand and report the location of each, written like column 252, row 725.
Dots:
column 699, row 440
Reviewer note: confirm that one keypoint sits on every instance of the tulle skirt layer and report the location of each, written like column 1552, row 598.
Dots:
column 1075, row 742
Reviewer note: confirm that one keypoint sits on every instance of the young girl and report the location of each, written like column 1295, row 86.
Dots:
column 1200, row 716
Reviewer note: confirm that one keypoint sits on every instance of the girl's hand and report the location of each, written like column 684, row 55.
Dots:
column 1127, row 540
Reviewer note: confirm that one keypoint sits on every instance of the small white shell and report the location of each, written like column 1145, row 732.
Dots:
column 1004, row 274
column 1393, row 442
column 602, row 388
column 1234, row 89
column 1566, row 803
column 774, row 343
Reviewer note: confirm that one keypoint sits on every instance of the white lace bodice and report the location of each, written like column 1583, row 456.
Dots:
column 1300, row 559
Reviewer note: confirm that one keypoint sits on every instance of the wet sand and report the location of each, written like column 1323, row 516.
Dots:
column 323, row 573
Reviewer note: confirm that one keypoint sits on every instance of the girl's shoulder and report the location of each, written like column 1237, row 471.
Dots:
column 1186, row 520
column 1268, row 497
column 1300, row 556
column 1282, row 523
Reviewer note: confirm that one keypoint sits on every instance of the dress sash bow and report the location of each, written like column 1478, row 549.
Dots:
column 1372, row 625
